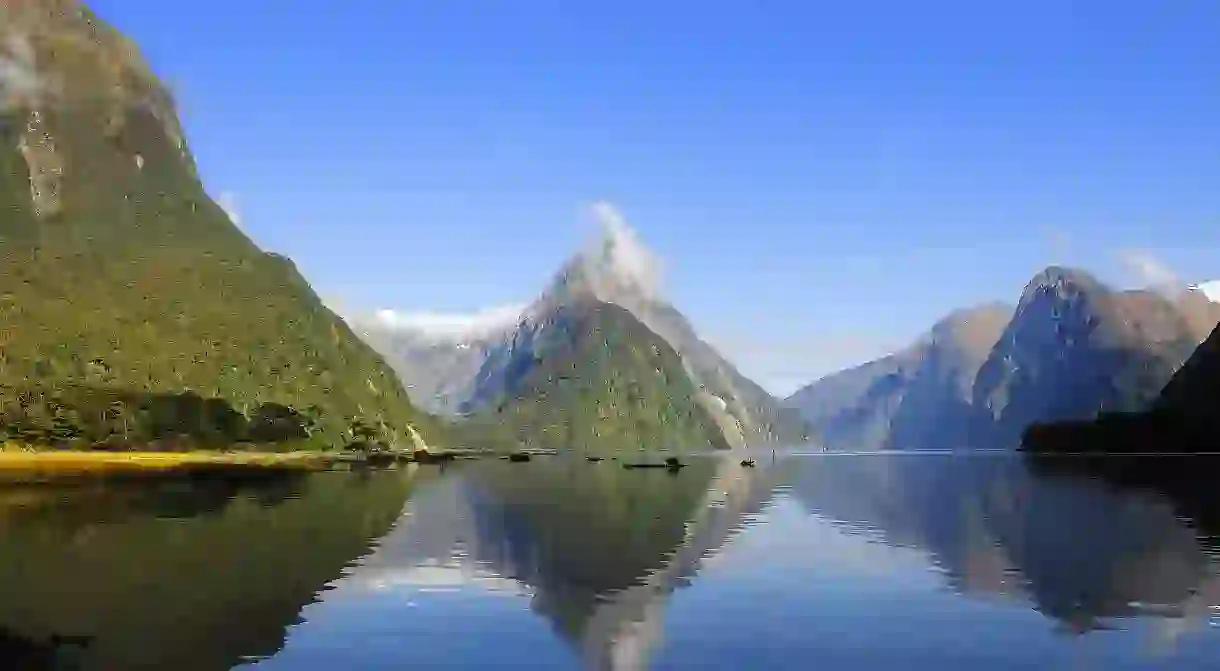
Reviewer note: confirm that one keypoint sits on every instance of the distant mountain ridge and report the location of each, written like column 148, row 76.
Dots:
column 1071, row 348
column 917, row 398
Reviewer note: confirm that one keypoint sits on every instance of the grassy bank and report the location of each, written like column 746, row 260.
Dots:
column 18, row 464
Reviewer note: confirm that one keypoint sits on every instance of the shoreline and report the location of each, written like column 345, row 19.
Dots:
column 17, row 467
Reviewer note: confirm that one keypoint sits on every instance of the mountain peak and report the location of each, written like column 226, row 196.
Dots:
column 614, row 266
column 618, row 251
column 1061, row 282
column 1062, row 275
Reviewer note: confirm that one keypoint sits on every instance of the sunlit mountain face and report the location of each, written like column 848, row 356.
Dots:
column 1072, row 347
column 468, row 364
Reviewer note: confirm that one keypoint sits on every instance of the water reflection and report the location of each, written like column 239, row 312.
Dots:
column 595, row 548
column 176, row 574
column 1082, row 548
column 898, row 561
column 600, row 555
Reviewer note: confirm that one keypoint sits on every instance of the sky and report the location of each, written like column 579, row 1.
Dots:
column 822, row 180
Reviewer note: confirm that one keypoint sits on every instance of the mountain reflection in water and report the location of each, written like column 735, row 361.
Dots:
column 817, row 561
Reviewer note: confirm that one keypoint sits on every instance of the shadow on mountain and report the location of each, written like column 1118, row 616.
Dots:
column 181, row 575
column 1155, row 431
column 1081, row 550
column 1183, row 419
column 600, row 547
column 25, row 654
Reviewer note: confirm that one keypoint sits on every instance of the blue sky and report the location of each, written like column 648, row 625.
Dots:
column 822, row 179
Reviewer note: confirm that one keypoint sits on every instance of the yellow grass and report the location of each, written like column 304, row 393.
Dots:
column 16, row 461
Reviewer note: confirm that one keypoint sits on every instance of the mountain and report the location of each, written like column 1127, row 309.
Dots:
column 917, row 398
column 439, row 355
column 590, row 375
column 615, row 269
column 1193, row 395
column 851, row 409
column 1073, row 347
column 1183, row 418
column 120, row 271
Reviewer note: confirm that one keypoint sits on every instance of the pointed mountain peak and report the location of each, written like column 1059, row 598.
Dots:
column 614, row 266
column 1053, row 275
column 1062, row 281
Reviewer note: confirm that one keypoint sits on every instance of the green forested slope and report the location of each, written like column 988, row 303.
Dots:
column 119, row 272
column 600, row 382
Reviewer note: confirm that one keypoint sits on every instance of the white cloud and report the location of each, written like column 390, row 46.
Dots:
column 617, row 251
column 227, row 200
column 1148, row 271
column 448, row 325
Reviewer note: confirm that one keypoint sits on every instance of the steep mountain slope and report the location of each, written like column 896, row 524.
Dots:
column 917, row 398
column 1075, row 348
column 614, row 269
column 119, row 271
column 592, row 378
column 1192, row 397
column 618, row 270
column 1072, row 348
column 1184, row 418
column 851, row 409
column 939, row 396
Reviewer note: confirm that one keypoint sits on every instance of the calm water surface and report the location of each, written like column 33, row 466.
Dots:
column 823, row 561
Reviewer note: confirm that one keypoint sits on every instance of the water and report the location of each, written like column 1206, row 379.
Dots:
column 865, row 561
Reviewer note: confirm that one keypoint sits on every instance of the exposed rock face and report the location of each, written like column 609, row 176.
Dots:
column 44, row 164
column 1072, row 348
column 1075, row 348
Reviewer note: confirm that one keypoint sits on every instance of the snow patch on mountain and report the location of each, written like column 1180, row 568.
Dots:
column 454, row 327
